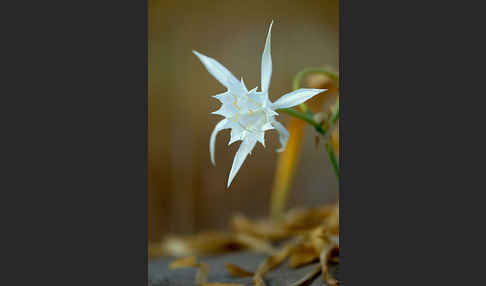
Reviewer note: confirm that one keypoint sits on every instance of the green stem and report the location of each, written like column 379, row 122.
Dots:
column 335, row 115
column 300, row 76
column 325, row 71
column 332, row 157
column 308, row 114
column 307, row 117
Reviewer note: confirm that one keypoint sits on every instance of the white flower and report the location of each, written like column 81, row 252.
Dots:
column 250, row 113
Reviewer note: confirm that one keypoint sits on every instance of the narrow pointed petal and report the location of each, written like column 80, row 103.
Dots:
column 218, row 71
column 212, row 141
column 226, row 110
column 243, row 85
column 267, row 126
column 260, row 137
column 224, row 98
column 296, row 97
column 270, row 112
column 266, row 72
column 237, row 133
column 240, row 156
column 283, row 134
column 254, row 91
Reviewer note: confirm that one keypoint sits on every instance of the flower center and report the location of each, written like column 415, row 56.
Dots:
column 251, row 120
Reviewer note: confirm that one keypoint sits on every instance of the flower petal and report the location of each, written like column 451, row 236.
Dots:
column 237, row 133
column 296, row 97
column 225, row 97
column 226, row 110
column 267, row 126
column 270, row 112
column 244, row 86
column 260, row 137
column 283, row 134
column 240, row 156
column 266, row 72
column 219, row 72
column 212, row 141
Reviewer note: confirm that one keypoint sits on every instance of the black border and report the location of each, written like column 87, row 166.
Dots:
column 389, row 196
column 75, row 161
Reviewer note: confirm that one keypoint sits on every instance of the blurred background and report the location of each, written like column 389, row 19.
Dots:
column 186, row 193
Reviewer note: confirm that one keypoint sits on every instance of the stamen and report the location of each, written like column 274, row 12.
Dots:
column 236, row 102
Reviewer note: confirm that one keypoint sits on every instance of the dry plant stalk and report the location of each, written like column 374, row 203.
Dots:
column 324, row 257
column 307, row 277
column 305, row 254
column 264, row 229
column 253, row 243
column 237, row 271
column 190, row 261
column 295, row 222
column 273, row 261
column 304, row 220
column 314, row 235
column 325, row 239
